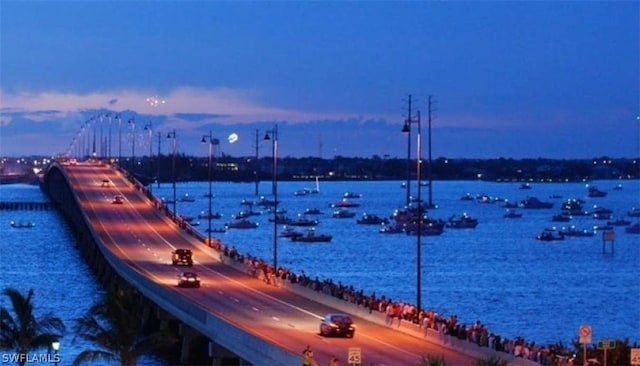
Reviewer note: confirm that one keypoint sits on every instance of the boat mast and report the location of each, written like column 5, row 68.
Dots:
column 429, row 166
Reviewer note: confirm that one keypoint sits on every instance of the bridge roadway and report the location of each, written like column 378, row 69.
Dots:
column 141, row 237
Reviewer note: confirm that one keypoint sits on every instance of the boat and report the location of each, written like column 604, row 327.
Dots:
column 312, row 237
column 370, row 219
column 574, row 231
column 426, row 229
column 242, row 224
column 601, row 213
column 619, row 222
column 22, row 224
column 633, row 229
column 391, row 228
column 312, row 211
column 187, row 198
column 525, row 186
column 535, row 203
column 343, row 214
column 209, row 215
column 463, row 222
column 602, row 227
column 288, row 232
column 303, row 221
column 351, row 195
column 300, row 192
column 246, row 213
column 618, row 187
column 216, row 230
column 512, row 214
column 263, row 201
column 345, row 203
column 281, row 219
column 466, row 197
column 574, row 207
column 634, row 212
column 550, row 235
column 593, row 191
column 561, row 217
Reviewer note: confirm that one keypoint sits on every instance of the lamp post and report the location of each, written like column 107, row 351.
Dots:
column 209, row 139
column 132, row 122
column 93, row 150
column 256, row 164
column 55, row 345
column 172, row 135
column 119, row 137
column 274, row 149
column 149, row 127
column 109, row 156
column 159, row 153
column 406, row 128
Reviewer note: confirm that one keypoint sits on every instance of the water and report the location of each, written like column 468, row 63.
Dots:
column 45, row 259
column 496, row 273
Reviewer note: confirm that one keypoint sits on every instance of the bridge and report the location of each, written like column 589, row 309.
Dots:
column 240, row 315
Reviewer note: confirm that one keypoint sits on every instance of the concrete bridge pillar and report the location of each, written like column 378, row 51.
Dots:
column 187, row 333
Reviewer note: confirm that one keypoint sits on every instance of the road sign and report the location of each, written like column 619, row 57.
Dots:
column 354, row 356
column 606, row 344
column 635, row 357
column 584, row 332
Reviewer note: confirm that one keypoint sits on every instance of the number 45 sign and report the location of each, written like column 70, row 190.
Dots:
column 635, row 357
column 354, row 356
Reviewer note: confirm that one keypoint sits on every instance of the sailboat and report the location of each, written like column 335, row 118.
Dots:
column 306, row 191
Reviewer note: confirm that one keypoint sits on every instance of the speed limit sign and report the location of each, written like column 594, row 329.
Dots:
column 354, row 356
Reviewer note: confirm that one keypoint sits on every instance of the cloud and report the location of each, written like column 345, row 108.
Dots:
column 226, row 105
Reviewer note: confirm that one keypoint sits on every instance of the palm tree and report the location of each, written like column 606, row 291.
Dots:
column 21, row 331
column 432, row 360
column 118, row 327
column 492, row 361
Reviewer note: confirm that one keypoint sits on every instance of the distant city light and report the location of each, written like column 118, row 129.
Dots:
column 154, row 101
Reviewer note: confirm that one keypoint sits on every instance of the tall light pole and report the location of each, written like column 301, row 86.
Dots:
column 119, row 137
column 209, row 139
column 159, row 153
column 406, row 128
column 109, row 156
column 132, row 122
column 274, row 149
column 256, row 164
column 149, row 127
column 172, row 135
column 55, row 345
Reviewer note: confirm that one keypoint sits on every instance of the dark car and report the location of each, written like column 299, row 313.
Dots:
column 337, row 324
column 118, row 199
column 188, row 279
column 183, row 257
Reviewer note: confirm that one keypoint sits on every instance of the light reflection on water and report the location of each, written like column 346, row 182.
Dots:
column 497, row 273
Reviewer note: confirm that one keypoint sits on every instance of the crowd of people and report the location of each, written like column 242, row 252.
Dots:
column 396, row 312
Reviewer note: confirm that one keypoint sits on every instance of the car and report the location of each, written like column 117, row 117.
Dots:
column 183, row 257
column 188, row 279
column 337, row 324
column 106, row 183
column 118, row 199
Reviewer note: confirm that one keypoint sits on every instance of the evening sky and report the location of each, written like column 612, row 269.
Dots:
column 520, row 79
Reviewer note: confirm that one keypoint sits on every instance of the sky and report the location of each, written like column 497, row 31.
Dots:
column 512, row 79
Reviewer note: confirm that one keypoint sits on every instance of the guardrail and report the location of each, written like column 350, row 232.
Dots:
column 247, row 346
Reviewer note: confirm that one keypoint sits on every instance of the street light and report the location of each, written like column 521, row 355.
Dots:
column 149, row 127
column 119, row 138
column 209, row 138
column 406, row 129
column 172, row 135
column 256, row 164
column 274, row 148
column 55, row 345
column 132, row 122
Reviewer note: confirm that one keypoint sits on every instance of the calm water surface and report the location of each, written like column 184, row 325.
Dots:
column 496, row 273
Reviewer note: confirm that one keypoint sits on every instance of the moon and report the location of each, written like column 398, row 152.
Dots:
column 232, row 138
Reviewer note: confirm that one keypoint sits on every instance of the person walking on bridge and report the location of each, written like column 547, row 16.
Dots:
column 307, row 357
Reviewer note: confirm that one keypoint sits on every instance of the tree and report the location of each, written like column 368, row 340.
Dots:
column 119, row 329
column 432, row 360
column 21, row 331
